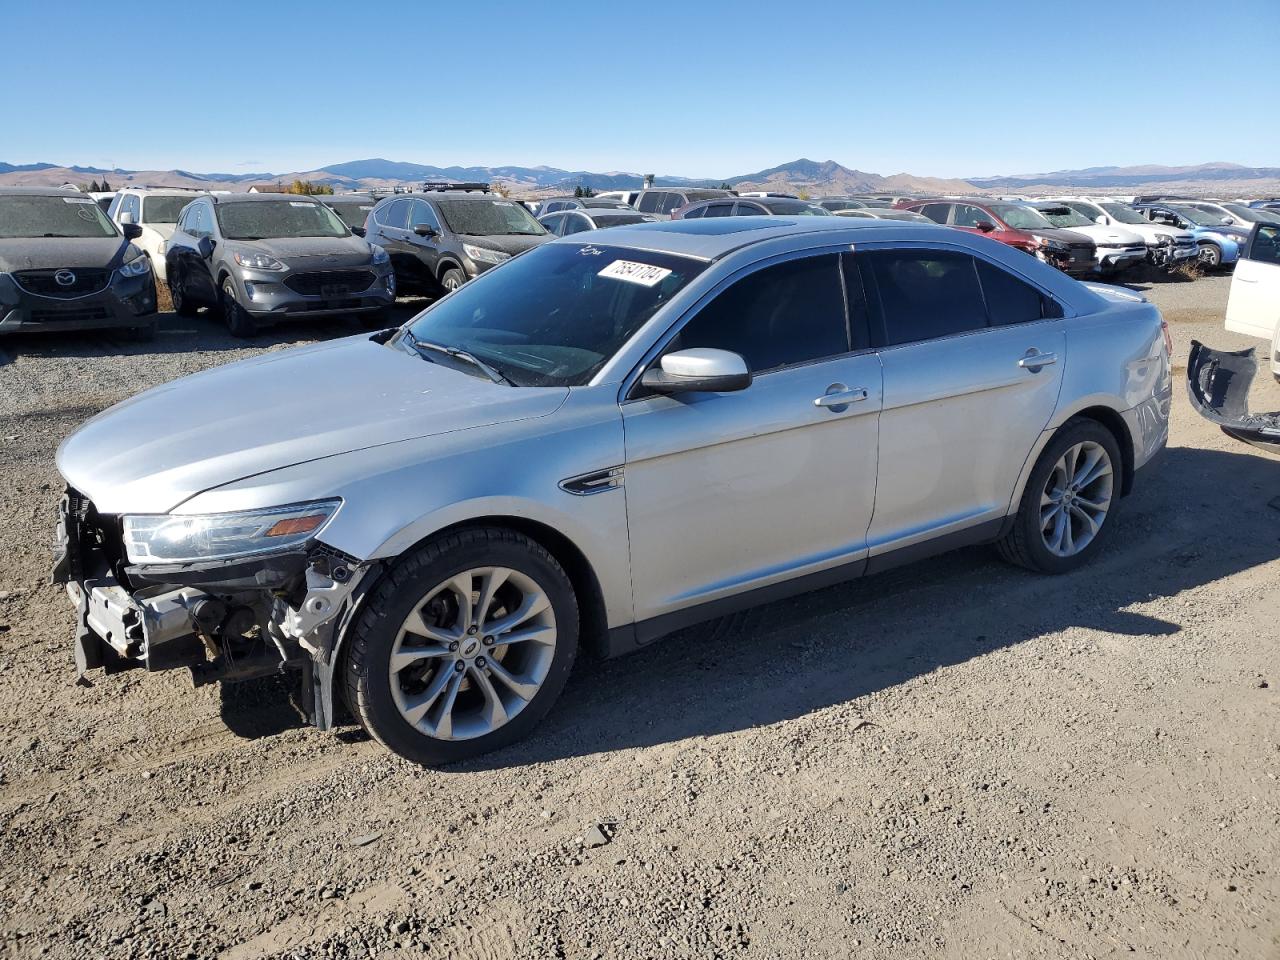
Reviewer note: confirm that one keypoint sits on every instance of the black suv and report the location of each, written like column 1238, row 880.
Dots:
column 65, row 266
column 441, row 238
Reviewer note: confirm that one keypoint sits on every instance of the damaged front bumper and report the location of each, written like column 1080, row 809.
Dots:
column 1218, row 383
column 225, row 621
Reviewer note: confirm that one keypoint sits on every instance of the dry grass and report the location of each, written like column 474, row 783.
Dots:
column 164, row 303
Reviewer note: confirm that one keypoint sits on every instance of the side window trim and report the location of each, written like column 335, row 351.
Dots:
column 659, row 345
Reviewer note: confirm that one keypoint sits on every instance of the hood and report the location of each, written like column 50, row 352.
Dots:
column 150, row 453
column 48, row 253
column 1060, row 233
column 1108, row 236
column 313, row 252
column 507, row 244
column 165, row 230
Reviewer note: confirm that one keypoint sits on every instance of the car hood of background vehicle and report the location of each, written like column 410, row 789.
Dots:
column 48, row 253
column 150, row 453
column 311, row 252
column 507, row 244
column 1060, row 233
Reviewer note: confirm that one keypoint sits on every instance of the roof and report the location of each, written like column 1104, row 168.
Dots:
column 709, row 239
column 221, row 198
column 41, row 192
column 349, row 197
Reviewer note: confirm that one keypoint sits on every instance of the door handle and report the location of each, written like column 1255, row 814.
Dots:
column 1034, row 360
column 841, row 396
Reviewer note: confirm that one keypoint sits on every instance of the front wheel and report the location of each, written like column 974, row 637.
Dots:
column 183, row 305
column 463, row 647
column 1069, row 499
column 237, row 319
column 452, row 279
column 1210, row 256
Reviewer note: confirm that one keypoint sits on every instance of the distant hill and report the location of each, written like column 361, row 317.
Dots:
column 1112, row 178
column 814, row 177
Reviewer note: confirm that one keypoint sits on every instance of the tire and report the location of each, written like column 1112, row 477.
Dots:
column 452, row 279
column 1038, row 540
column 1210, row 256
column 238, row 321
column 183, row 305
column 421, row 587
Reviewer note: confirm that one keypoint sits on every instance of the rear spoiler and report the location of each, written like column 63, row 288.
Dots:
column 1218, row 383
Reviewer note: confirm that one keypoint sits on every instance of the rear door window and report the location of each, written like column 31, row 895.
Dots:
column 967, row 215
column 937, row 212
column 745, row 209
column 1011, row 300
column 1265, row 245
column 922, row 294
column 670, row 201
column 421, row 214
column 394, row 215
column 782, row 315
column 648, row 202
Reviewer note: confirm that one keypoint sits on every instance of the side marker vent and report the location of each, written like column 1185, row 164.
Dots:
column 597, row 481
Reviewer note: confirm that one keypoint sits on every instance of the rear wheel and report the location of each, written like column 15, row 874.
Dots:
column 1068, row 501
column 452, row 279
column 463, row 647
column 235, row 316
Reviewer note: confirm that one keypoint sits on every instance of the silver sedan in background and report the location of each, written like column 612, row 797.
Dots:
column 605, row 439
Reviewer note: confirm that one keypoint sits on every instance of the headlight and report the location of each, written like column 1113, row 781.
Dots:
column 259, row 261
column 169, row 538
column 484, row 255
column 379, row 255
column 1055, row 245
column 136, row 267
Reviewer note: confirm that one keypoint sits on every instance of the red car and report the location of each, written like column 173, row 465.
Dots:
column 1019, row 226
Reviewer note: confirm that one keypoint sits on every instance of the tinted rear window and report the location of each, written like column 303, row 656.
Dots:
column 925, row 294
column 1010, row 300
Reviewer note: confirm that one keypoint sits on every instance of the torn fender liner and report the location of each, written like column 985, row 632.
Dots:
column 1218, row 384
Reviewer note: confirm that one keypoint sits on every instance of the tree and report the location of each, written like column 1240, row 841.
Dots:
column 308, row 189
column 577, row 191
column 106, row 187
column 725, row 186
column 587, row 191
column 93, row 187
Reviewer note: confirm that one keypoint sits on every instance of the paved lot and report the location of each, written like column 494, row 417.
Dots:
column 955, row 759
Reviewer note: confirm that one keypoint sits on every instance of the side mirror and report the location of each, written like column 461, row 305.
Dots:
column 424, row 230
column 126, row 217
column 130, row 229
column 698, row 369
column 1100, row 218
column 357, row 231
column 205, row 246
column 986, row 226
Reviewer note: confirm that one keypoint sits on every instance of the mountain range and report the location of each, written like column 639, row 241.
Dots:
column 811, row 176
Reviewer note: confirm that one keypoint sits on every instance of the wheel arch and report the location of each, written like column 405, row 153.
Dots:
column 447, row 263
column 1108, row 417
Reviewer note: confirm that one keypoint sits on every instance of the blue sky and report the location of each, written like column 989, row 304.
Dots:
column 698, row 89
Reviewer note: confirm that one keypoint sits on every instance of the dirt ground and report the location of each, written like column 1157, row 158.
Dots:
column 955, row 759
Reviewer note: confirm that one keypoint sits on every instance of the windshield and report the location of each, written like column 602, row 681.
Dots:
column 553, row 316
column 1252, row 214
column 1020, row 218
column 484, row 217
column 1196, row 215
column 693, row 196
column 1118, row 211
column 163, row 209
column 1064, row 216
column 271, row 219
column 351, row 212
column 25, row 215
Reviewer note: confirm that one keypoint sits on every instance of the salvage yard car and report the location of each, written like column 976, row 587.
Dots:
column 1166, row 246
column 566, row 222
column 1219, row 243
column 441, row 238
column 1117, row 248
column 266, row 257
column 156, row 212
column 610, row 437
column 65, row 266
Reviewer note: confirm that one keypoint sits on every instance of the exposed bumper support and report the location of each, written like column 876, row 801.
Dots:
column 1218, row 384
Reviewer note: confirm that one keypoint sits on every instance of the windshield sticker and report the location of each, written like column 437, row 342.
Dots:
column 590, row 251
column 503, row 203
column 363, row 207
column 300, row 203
column 78, row 200
column 644, row 274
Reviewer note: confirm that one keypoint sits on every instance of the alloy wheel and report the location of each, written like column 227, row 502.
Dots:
column 1076, row 498
column 472, row 653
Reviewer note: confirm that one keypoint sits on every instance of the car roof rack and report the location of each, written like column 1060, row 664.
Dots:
column 431, row 185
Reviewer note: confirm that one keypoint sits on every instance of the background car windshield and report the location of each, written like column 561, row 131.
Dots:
column 1065, row 217
column 163, row 209
column 1198, row 216
column 555, row 315
column 794, row 208
column 1020, row 218
column 1118, row 211
column 490, row 218
column 352, row 213
column 35, row 216
column 278, row 218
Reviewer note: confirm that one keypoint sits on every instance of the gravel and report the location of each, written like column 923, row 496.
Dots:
column 952, row 759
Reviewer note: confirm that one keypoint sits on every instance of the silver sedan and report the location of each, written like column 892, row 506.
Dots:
column 609, row 437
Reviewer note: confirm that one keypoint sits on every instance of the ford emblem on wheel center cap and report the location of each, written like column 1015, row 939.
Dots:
column 64, row 278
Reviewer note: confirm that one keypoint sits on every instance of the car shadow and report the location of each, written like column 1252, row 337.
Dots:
column 835, row 646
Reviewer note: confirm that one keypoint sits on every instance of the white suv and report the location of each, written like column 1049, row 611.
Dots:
column 156, row 212
column 1166, row 246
